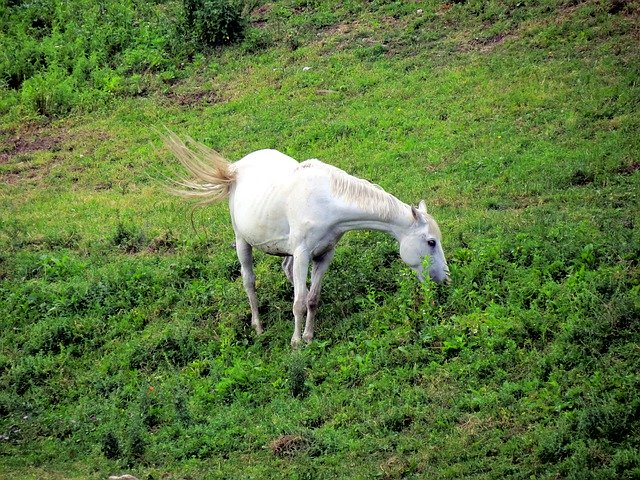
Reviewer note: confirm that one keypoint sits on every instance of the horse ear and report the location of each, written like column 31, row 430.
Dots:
column 422, row 206
column 418, row 216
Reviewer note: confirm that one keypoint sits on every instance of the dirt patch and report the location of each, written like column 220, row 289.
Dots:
column 165, row 243
column 485, row 45
column 261, row 24
column 31, row 172
column 344, row 28
column 338, row 36
column 263, row 10
column 260, row 16
column 288, row 445
column 629, row 169
column 193, row 99
column 394, row 467
column 394, row 23
column 18, row 146
column 471, row 425
column 27, row 140
column 495, row 39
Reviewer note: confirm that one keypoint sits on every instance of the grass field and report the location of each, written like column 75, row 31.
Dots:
column 126, row 345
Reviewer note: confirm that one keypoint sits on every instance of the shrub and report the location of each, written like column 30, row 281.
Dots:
column 58, row 57
column 136, row 442
column 50, row 93
column 214, row 22
column 297, row 376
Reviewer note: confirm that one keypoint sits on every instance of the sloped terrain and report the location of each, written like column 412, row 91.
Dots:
column 126, row 344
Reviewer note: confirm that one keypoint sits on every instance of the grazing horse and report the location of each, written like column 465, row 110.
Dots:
column 299, row 211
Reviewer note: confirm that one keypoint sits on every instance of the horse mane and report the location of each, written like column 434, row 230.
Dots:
column 368, row 196
column 433, row 226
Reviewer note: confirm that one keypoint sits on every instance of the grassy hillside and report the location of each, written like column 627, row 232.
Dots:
column 125, row 342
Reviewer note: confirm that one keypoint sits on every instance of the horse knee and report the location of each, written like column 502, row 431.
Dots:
column 312, row 302
column 248, row 278
column 299, row 307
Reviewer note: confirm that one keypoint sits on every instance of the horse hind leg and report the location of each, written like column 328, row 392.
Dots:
column 287, row 268
column 245, row 256
column 318, row 269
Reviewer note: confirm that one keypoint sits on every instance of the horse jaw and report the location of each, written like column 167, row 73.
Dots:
column 438, row 275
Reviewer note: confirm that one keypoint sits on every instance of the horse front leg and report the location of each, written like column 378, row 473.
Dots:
column 300, row 270
column 318, row 269
column 245, row 255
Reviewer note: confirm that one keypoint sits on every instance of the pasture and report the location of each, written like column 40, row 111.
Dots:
column 126, row 343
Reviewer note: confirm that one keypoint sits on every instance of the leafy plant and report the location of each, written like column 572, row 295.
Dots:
column 128, row 238
column 50, row 94
column 214, row 22
column 297, row 375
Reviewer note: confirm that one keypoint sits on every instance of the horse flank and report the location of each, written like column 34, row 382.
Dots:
column 213, row 175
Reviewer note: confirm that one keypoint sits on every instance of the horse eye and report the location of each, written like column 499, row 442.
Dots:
column 431, row 242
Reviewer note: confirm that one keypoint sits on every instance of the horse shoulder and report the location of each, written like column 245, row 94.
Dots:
column 312, row 203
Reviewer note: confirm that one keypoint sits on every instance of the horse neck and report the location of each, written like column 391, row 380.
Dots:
column 397, row 223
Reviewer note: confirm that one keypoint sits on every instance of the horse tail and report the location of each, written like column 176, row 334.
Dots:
column 211, row 175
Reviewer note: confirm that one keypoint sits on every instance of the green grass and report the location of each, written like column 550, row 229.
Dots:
column 126, row 344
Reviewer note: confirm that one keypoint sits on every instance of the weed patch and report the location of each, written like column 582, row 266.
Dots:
column 128, row 238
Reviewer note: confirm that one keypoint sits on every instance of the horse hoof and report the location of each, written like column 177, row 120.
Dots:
column 257, row 326
column 296, row 342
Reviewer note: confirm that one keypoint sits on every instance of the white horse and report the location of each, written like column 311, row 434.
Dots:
column 299, row 211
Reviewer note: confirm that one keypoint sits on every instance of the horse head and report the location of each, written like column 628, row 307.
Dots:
column 424, row 240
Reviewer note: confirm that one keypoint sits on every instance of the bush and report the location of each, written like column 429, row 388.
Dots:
column 111, row 446
column 50, row 93
column 214, row 22
column 128, row 238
